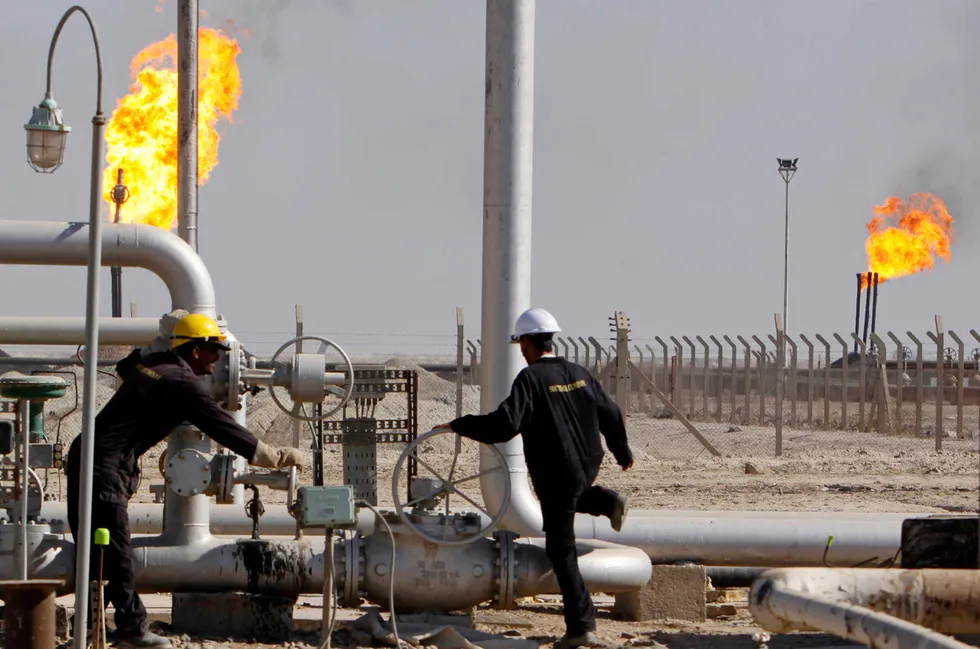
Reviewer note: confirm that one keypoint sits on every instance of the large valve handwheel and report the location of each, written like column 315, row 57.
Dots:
column 448, row 485
column 304, row 372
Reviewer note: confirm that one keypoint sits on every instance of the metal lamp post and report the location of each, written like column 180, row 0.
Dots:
column 46, row 136
column 787, row 169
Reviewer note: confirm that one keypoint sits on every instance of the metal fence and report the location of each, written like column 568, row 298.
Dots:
column 923, row 387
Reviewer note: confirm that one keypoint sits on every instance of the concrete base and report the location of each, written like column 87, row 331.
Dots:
column 259, row 618
column 673, row 593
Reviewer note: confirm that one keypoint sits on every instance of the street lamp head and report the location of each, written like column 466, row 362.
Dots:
column 787, row 168
column 46, row 136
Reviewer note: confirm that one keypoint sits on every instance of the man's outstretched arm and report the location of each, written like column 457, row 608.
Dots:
column 504, row 423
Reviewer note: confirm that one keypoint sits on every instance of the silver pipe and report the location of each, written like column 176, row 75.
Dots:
column 57, row 330
column 507, row 169
column 215, row 565
column 187, row 72
column 230, row 520
column 121, row 244
column 225, row 520
column 186, row 517
column 21, row 361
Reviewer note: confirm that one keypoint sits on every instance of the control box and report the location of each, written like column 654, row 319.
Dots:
column 327, row 506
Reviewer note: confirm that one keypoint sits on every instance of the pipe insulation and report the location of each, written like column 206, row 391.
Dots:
column 123, row 244
column 946, row 601
column 24, row 330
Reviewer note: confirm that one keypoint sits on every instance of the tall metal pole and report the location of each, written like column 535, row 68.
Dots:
column 787, row 169
column 507, row 160
column 83, row 544
column 187, row 21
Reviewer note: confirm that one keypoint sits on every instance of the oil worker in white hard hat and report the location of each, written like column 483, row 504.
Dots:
column 160, row 391
column 560, row 410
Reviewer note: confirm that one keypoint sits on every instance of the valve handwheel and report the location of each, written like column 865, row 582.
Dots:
column 344, row 393
column 449, row 486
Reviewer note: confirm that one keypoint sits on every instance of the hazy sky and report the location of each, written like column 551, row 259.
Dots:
column 352, row 177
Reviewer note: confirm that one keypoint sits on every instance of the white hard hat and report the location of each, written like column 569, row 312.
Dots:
column 534, row 321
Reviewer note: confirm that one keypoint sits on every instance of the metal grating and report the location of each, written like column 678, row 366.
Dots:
column 360, row 445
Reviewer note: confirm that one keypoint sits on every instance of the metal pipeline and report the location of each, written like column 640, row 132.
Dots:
column 426, row 577
column 880, row 608
column 680, row 535
column 23, row 330
column 123, row 244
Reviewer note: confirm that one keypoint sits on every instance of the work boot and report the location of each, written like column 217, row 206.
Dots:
column 138, row 640
column 569, row 641
column 620, row 509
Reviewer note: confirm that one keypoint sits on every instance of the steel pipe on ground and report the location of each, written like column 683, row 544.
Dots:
column 123, row 244
column 296, row 568
column 942, row 600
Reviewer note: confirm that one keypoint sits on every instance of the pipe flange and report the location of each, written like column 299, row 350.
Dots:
column 188, row 472
column 226, row 472
column 505, row 569
column 353, row 571
column 236, row 386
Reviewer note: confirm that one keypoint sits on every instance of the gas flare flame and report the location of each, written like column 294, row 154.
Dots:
column 141, row 135
column 905, row 237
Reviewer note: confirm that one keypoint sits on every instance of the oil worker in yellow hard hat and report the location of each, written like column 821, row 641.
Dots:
column 160, row 391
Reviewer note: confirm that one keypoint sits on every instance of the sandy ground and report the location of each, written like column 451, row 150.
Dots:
column 819, row 470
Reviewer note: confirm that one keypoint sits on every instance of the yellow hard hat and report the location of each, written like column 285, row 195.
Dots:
column 197, row 328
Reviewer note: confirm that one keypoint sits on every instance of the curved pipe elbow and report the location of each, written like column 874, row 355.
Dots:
column 605, row 568
column 123, row 244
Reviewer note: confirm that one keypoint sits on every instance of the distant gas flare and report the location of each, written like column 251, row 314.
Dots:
column 906, row 237
column 141, row 135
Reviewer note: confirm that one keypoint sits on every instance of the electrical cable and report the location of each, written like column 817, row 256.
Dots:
column 333, row 599
column 391, row 573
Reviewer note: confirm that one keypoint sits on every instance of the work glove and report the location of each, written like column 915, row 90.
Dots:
column 167, row 323
column 270, row 457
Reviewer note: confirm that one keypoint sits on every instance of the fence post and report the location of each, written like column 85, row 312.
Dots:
column 882, row 394
column 976, row 366
column 653, row 374
column 133, row 310
column 585, row 346
column 939, row 337
column 780, row 361
column 747, row 365
column 960, row 376
column 731, row 396
column 826, row 382
column 721, row 377
column 900, row 361
column 597, row 365
column 574, row 345
column 621, row 327
column 666, row 357
column 844, row 380
column 692, row 380
column 862, row 348
column 564, row 346
column 809, row 380
column 679, row 375
column 794, row 371
column 640, row 400
column 763, row 358
column 473, row 369
column 297, row 424
column 704, row 376
column 459, row 361
column 919, row 378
